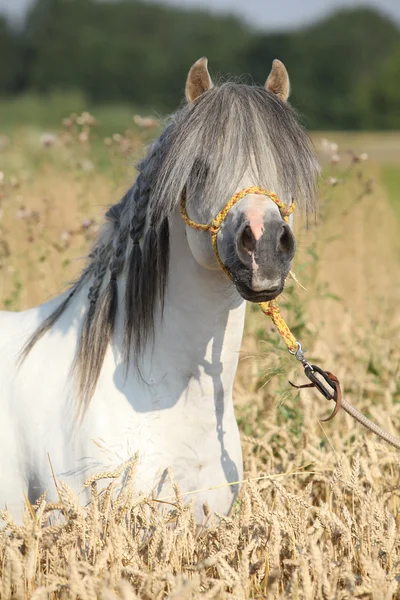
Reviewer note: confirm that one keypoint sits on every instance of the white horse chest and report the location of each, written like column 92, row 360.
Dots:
column 197, row 444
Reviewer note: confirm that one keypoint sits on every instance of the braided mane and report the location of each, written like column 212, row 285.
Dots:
column 206, row 148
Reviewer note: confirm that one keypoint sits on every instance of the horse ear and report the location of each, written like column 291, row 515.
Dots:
column 198, row 80
column 278, row 81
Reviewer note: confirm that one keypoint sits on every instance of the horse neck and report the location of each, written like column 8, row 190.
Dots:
column 202, row 325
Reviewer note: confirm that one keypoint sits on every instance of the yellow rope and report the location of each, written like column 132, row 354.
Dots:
column 271, row 309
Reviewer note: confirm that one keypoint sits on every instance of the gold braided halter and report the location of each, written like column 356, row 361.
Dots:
column 329, row 385
column 271, row 309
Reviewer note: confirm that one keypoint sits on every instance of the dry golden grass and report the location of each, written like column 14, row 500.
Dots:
column 318, row 515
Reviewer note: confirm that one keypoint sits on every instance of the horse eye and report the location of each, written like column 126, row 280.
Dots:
column 200, row 170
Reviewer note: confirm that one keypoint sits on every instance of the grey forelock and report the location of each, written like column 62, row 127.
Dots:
column 228, row 131
column 206, row 148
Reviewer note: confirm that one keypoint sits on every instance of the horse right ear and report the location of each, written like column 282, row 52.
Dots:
column 198, row 80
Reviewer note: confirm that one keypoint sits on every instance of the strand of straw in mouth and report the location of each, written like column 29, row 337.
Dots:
column 293, row 276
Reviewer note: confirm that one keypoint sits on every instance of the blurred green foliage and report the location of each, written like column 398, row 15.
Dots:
column 345, row 69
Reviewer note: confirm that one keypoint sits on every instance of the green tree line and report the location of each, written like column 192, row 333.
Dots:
column 344, row 69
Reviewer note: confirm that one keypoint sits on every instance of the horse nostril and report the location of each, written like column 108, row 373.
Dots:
column 248, row 240
column 286, row 239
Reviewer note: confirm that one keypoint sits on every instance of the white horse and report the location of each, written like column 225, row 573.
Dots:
column 140, row 355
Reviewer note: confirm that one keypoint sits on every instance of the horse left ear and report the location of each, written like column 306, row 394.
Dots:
column 278, row 81
column 198, row 80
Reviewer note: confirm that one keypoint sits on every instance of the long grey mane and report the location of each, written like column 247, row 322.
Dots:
column 205, row 149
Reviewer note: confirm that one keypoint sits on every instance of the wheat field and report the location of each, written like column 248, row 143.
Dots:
column 318, row 513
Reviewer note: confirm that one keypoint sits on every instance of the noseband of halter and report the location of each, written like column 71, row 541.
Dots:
column 216, row 224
